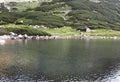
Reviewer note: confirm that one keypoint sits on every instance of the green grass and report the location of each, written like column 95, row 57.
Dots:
column 64, row 31
column 22, row 29
column 25, row 5
column 103, row 32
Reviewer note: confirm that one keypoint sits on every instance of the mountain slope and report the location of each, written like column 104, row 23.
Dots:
column 105, row 14
column 1, row 1
column 78, row 13
column 86, row 13
column 6, row 1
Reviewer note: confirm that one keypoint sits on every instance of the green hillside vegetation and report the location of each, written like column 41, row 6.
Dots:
column 95, row 15
column 64, row 31
column 103, row 32
column 24, row 29
column 26, row 5
column 22, row 6
column 86, row 13
column 77, row 14
column 32, row 18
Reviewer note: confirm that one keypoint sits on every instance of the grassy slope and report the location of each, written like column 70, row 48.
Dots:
column 85, row 15
column 21, row 29
column 67, row 31
column 25, row 5
column 64, row 31
column 103, row 32
column 22, row 6
column 93, row 15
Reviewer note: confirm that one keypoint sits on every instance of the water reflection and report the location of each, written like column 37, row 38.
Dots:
column 60, row 61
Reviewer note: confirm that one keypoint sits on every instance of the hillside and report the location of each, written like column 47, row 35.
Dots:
column 90, row 13
column 78, row 14
column 21, row 5
column 6, row 1
column 104, row 14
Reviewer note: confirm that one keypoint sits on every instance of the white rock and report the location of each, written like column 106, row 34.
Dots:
column 20, row 36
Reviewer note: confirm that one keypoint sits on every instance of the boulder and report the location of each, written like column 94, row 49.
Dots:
column 88, row 29
column 12, row 34
column 20, row 36
column 25, row 36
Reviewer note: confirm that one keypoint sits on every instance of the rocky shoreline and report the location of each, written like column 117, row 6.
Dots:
column 14, row 36
column 8, row 37
column 4, row 38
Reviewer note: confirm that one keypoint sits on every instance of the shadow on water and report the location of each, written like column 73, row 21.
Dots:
column 60, row 61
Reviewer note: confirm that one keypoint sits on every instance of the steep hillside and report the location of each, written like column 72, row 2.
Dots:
column 6, row 1
column 21, row 5
column 76, row 13
column 90, row 13
column 105, row 14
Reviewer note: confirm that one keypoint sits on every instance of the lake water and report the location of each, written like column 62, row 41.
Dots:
column 60, row 61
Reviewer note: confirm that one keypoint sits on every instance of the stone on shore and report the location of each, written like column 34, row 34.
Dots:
column 25, row 36
column 20, row 36
column 13, row 34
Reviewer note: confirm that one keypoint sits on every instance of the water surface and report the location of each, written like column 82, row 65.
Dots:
column 60, row 61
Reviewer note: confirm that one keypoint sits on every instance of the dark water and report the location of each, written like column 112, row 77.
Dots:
column 60, row 61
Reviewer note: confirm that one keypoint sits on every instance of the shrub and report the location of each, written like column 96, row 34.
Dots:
column 3, row 23
column 28, row 31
